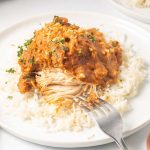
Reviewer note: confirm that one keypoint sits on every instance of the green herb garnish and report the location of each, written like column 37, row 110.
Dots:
column 52, row 51
column 20, row 51
column 10, row 97
column 92, row 38
column 23, row 61
column 28, row 42
column 62, row 41
column 23, row 47
column 64, row 48
column 11, row 70
column 57, row 40
column 55, row 19
column 32, row 60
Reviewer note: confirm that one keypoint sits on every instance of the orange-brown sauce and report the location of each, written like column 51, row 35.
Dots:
column 82, row 52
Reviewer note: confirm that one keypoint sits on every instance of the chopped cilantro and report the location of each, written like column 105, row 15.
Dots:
column 92, row 38
column 54, row 40
column 32, row 60
column 23, row 61
column 52, row 51
column 64, row 48
column 55, row 19
column 20, row 51
column 11, row 70
column 62, row 41
column 28, row 42
column 57, row 40
column 23, row 47
column 10, row 97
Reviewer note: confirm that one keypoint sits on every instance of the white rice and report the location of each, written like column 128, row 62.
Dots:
column 29, row 109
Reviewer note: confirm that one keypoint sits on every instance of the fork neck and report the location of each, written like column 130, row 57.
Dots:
column 121, row 144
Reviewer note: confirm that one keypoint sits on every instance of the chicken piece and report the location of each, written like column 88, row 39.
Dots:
column 83, row 53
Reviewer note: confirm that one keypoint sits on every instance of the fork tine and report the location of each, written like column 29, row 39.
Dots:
column 83, row 107
column 99, row 107
column 102, row 108
column 82, row 103
column 111, row 108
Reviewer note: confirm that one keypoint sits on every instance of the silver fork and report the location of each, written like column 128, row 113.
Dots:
column 110, row 122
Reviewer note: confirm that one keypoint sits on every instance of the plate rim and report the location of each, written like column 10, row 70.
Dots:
column 82, row 143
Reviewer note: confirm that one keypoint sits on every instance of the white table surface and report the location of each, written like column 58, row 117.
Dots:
column 12, row 11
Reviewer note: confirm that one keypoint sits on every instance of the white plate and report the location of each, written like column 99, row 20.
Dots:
column 133, row 120
column 142, row 14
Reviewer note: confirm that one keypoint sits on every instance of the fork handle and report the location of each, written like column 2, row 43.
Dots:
column 121, row 144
